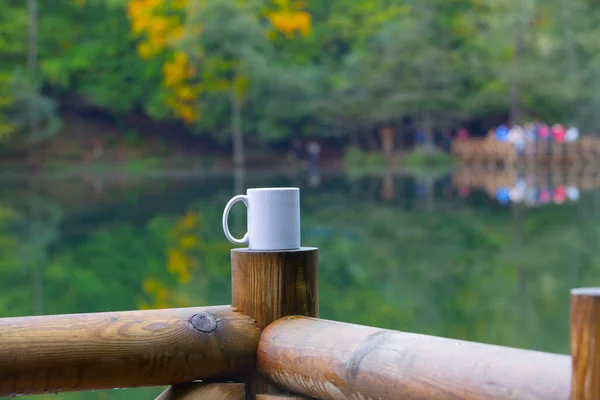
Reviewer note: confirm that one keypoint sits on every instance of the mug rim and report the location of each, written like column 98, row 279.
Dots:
column 273, row 189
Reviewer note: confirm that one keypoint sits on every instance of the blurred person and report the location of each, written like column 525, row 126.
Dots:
column 572, row 134
column 530, row 138
column 558, row 133
column 543, row 134
column 543, row 131
column 502, row 133
column 516, row 136
column 463, row 134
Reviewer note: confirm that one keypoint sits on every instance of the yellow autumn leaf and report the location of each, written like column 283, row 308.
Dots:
column 188, row 242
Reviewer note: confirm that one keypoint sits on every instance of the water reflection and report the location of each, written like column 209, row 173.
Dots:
column 533, row 187
column 416, row 253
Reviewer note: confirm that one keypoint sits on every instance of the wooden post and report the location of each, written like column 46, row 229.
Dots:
column 268, row 285
column 585, row 335
column 204, row 391
column 60, row 353
column 386, row 136
column 334, row 360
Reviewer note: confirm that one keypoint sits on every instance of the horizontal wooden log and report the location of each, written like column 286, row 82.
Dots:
column 51, row 354
column 332, row 360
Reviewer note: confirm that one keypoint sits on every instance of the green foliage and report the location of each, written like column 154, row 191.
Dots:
column 95, row 58
column 22, row 105
column 355, row 64
column 424, row 160
column 32, row 114
column 425, row 156
column 475, row 272
column 358, row 64
column 355, row 158
column 13, row 23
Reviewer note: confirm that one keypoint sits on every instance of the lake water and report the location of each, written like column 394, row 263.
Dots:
column 425, row 255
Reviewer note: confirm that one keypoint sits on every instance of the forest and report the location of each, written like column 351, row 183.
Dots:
column 261, row 73
column 269, row 70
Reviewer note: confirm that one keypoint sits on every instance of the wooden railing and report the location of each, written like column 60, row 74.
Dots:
column 53, row 354
column 270, row 344
column 490, row 152
column 328, row 359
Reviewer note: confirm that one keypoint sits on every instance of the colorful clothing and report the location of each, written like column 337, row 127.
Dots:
column 502, row 133
column 543, row 132
column 572, row 134
column 558, row 133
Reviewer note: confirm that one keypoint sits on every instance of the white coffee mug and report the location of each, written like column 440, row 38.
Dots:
column 273, row 219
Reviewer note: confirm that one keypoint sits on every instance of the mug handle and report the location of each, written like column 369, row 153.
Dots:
column 228, row 235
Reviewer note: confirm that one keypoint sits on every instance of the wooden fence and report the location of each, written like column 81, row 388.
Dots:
column 490, row 152
column 270, row 344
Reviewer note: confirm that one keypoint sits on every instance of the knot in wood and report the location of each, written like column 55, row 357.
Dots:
column 205, row 322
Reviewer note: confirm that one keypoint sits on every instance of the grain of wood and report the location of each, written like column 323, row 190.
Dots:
column 280, row 397
column 59, row 353
column 333, row 360
column 204, row 391
column 267, row 285
column 585, row 343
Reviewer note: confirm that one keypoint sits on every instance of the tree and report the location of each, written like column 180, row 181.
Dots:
column 13, row 22
column 400, row 67
column 286, row 67
column 23, row 108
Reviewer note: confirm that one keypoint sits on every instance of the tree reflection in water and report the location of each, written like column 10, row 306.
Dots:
column 391, row 254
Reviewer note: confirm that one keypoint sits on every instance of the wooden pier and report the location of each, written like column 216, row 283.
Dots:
column 489, row 152
column 271, row 344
